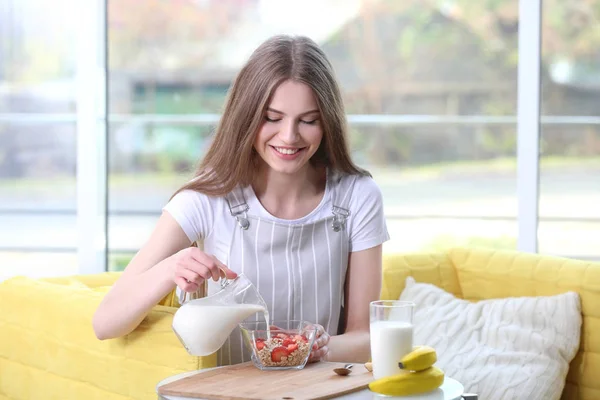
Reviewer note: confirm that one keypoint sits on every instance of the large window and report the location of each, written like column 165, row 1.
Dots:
column 448, row 175
column 37, row 139
column 431, row 92
column 570, row 135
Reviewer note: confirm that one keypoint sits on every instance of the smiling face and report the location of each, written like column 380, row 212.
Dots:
column 291, row 131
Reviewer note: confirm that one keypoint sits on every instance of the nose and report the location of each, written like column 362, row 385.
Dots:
column 289, row 132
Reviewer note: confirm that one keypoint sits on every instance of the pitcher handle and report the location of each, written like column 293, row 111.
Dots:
column 223, row 281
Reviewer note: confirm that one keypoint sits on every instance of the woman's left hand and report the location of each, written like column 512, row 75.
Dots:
column 319, row 350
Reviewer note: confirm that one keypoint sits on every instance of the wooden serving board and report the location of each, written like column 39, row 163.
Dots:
column 246, row 382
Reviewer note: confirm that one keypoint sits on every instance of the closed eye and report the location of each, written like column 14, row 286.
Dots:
column 272, row 119
column 314, row 121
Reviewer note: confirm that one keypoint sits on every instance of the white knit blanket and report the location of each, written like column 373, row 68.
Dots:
column 501, row 349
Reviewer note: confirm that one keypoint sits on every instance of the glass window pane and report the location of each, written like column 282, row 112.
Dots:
column 37, row 152
column 148, row 162
column 441, row 195
column 37, row 67
column 37, row 197
column 119, row 260
column 570, row 141
column 412, row 73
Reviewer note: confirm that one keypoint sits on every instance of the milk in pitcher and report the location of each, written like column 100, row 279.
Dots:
column 204, row 325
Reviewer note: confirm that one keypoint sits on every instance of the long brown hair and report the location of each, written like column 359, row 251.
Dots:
column 231, row 158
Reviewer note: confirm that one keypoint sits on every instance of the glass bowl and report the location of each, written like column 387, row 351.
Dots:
column 288, row 347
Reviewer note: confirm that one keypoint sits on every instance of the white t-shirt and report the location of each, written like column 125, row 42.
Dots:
column 208, row 218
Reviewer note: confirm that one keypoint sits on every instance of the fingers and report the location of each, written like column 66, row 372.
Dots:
column 319, row 348
column 203, row 264
column 192, row 267
column 319, row 330
column 190, row 276
column 215, row 267
column 185, row 285
column 321, row 341
column 229, row 274
column 317, row 355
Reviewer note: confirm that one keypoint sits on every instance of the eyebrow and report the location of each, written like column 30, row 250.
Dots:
column 282, row 113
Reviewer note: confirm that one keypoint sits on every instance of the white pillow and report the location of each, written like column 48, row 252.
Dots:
column 513, row 348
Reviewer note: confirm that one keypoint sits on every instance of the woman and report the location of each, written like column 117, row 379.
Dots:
column 278, row 198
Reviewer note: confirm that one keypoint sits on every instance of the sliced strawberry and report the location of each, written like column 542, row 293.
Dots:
column 292, row 347
column 282, row 336
column 260, row 344
column 299, row 338
column 278, row 353
column 287, row 341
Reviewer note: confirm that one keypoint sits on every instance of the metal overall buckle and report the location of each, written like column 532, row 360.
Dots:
column 339, row 218
column 240, row 215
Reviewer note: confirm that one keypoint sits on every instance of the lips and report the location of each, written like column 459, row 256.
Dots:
column 288, row 151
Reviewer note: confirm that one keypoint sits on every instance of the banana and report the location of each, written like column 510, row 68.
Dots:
column 409, row 383
column 419, row 359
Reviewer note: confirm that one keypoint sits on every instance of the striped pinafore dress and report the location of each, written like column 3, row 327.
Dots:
column 299, row 269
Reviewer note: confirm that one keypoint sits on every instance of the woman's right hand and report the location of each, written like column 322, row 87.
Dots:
column 191, row 266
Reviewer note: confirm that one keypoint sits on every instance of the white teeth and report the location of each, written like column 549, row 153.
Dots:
column 286, row 151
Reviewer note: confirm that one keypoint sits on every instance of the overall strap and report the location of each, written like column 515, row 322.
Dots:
column 238, row 206
column 343, row 185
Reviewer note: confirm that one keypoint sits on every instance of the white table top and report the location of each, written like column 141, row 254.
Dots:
column 450, row 390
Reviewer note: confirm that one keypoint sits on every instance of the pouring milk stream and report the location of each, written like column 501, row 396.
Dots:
column 203, row 325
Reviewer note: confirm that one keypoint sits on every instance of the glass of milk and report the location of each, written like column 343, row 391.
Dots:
column 391, row 335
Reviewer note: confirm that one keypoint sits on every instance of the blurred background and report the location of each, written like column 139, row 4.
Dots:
column 430, row 88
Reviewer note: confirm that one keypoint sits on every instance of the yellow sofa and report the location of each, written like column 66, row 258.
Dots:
column 48, row 349
column 477, row 274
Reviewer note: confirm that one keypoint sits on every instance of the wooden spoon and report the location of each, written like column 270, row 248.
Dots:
column 343, row 371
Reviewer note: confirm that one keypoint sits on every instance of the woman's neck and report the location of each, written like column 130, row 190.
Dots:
column 290, row 196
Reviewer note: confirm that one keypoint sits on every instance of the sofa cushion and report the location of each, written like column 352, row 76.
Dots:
column 486, row 274
column 517, row 347
column 435, row 268
column 48, row 349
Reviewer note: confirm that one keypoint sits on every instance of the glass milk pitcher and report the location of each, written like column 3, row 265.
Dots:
column 203, row 325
